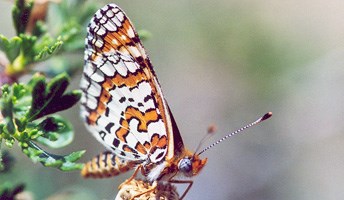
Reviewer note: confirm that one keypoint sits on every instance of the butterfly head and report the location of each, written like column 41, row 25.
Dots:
column 191, row 165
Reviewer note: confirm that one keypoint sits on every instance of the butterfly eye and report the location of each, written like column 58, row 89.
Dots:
column 185, row 165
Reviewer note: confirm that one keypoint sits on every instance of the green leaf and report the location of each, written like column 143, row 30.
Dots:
column 7, row 191
column 21, row 124
column 34, row 152
column 52, row 162
column 26, row 55
column 58, row 86
column 69, row 166
column 10, row 47
column 48, row 99
column 70, row 160
column 64, row 102
column 57, row 132
column 18, row 92
column 33, row 133
column 144, row 34
column 6, row 106
column 38, row 97
column 74, row 156
column 27, row 48
column 9, row 142
column 64, row 163
column 20, row 14
column 47, row 51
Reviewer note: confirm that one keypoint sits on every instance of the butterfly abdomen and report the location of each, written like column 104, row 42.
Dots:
column 105, row 165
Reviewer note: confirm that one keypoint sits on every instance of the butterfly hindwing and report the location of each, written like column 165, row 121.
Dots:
column 122, row 102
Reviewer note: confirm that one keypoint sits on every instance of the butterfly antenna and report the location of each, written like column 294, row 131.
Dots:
column 265, row 117
column 210, row 132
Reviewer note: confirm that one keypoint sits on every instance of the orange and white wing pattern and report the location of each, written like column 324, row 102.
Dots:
column 122, row 103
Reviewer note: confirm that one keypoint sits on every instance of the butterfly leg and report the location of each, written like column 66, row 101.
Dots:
column 131, row 178
column 183, row 182
column 190, row 182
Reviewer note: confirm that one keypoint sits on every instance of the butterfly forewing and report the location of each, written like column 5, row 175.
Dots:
column 122, row 102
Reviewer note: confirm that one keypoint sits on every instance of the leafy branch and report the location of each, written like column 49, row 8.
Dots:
column 24, row 109
column 28, row 111
column 28, row 48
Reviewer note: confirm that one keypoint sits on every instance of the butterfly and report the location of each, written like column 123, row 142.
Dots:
column 124, row 108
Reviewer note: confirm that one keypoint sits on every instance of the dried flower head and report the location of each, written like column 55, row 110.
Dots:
column 141, row 190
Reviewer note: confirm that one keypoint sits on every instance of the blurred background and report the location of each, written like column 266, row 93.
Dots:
column 227, row 62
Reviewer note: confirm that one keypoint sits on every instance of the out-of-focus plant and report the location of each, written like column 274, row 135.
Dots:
column 8, row 192
column 6, row 161
column 37, row 41
column 28, row 110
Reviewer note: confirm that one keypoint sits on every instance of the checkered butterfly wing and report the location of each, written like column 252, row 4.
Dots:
column 122, row 103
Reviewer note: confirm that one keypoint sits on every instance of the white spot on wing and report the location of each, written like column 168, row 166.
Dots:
column 94, row 89
column 120, row 16
column 110, row 14
column 130, row 32
column 116, row 22
column 121, row 68
column 108, row 68
column 132, row 66
column 134, row 51
column 110, row 27
column 91, row 102
column 101, row 31
column 97, row 43
column 115, row 42
column 98, row 76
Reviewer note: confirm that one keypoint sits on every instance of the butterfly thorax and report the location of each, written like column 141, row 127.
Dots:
column 185, row 164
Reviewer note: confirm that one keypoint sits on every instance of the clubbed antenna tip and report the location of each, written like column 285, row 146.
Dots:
column 266, row 116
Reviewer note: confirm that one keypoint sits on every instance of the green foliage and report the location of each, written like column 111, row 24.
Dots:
column 29, row 110
column 57, row 132
column 70, row 27
column 24, row 109
column 46, row 48
column 50, row 98
column 44, row 41
column 6, row 161
column 10, row 47
column 24, row 49
column 8, row 192
column 64, row 163
column 20, row 13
